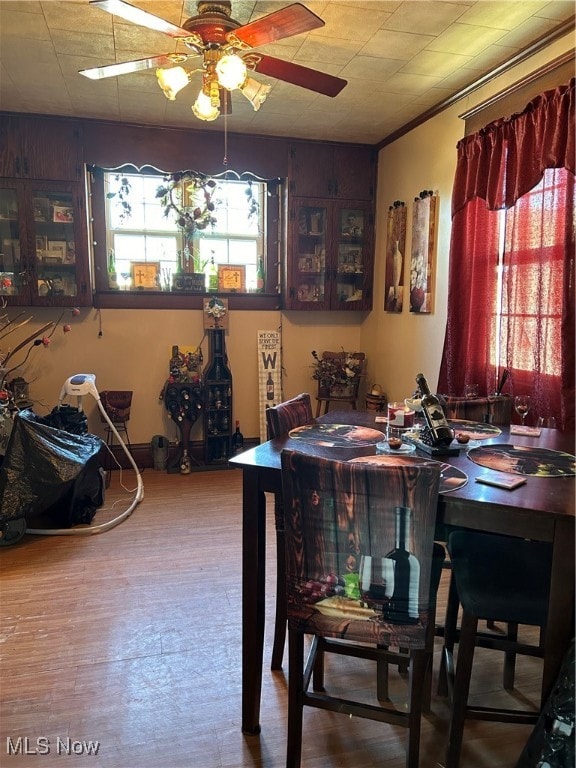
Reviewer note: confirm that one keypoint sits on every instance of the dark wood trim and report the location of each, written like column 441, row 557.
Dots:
column 174, row 300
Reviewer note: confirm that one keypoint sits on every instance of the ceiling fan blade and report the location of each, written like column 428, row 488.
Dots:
column 127, row 67
column 286, row 22
column 138, row 16
column 312, row 79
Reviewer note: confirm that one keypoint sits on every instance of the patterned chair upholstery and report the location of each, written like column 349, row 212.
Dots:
column 336, row 515
column 280, row 419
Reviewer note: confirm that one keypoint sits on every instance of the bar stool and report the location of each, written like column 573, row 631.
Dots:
column 493, row 577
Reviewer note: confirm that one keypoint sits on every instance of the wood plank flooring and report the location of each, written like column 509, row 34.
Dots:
column 131, row 639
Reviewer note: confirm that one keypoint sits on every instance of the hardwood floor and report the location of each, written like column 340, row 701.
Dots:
column 131, row 639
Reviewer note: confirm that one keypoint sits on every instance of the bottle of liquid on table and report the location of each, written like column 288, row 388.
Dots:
column 403, row 605
column 433, row 414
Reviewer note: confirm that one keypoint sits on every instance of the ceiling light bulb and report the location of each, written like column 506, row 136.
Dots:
column 231, row 71
column 255, row 92
column 172, row 80
column 203, row 108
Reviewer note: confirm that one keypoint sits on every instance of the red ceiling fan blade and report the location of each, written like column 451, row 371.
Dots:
column 286, row 22
column 138, row 16
column 295, row 74
column 127, row 67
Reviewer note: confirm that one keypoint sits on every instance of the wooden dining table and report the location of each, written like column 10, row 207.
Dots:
column 541, row 509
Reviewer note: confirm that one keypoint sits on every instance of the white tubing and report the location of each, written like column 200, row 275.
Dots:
column 92, row 529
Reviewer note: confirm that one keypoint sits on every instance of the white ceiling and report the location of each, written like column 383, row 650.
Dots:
column 401, row 58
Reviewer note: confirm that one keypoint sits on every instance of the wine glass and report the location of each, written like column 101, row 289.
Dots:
column 522, row 406
column 376, row 581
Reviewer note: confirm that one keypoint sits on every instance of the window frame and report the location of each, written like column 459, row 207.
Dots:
column 106, row 298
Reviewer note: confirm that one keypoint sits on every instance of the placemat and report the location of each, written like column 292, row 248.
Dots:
column 475, row 429
column 524, row 460
column 337, row 435
column 451, row 477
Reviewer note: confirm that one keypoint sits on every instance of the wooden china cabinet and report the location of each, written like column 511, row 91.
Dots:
column 330, row 261
column 43, row 224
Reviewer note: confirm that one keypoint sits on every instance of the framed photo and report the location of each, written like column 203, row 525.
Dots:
column 63, row 214
column 395, row 258
column 146, row 275
column 194, row 282
column 352, row 223
column 423, row 255
column 231, row 278
column 41, row 243
column 57, row 248
column 70, row 256
column 41, row 206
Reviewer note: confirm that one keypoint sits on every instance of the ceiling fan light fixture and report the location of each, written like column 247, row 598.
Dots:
column 255, row 92
column 203, row 108
column 231, row 71
column 172, row 81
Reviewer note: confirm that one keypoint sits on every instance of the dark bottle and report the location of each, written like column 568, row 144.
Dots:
column 237, row 441
column 270, row 387
column 433, row 414
column 403, row 605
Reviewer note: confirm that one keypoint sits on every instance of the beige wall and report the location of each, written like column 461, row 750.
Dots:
column 134, row 348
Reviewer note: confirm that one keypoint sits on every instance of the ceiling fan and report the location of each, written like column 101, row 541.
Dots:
column 225, row 47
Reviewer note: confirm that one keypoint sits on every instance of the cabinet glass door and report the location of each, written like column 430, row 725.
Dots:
column 54, row 225
column 350, row 257
column 10, row 256
column 310, row 258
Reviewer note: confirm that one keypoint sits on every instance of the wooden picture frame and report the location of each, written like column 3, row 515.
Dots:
column 352, row 222
column 232, row 278
column 423, row 255
column 146, row 275
column 395, row 258
column 57, row 249
column 41, row 206
column 63, row 214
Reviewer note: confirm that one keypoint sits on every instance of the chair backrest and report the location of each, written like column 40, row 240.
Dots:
column 292, row 413
column 339, row 513
column 117, row 404
column 496, row 410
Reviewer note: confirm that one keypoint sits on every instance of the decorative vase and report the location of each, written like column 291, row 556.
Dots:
column 396, row 268
column 417, row 297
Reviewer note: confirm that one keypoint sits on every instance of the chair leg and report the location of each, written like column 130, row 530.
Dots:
column 420, row 661
column 281, row 617
column 295, row 691
column 450, row 630
column 466, row 645
column 510, row 658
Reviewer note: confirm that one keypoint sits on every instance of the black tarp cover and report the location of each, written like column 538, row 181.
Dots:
column 50, row 471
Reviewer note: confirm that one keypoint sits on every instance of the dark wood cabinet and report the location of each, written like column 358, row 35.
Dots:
column 40, row 148
column 43, row 244
column 331, row 260
column 342, row 172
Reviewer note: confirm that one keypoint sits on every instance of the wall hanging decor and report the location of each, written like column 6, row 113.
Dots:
column 423, row 252
column 395, row 250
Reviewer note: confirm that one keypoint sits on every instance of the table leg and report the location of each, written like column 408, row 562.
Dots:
column 253, row 583
column 560, row 626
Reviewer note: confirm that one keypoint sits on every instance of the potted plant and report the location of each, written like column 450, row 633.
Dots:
column 336, row 373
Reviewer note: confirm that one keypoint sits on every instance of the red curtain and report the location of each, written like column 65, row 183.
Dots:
column 498, row 168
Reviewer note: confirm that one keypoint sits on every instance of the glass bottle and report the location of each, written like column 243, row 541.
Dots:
column 212, row 276
column 237, row 441
column 260, row 276
column 112, row 275
column 433, row 414
column 403, row 605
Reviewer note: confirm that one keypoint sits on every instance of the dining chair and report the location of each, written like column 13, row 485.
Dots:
column 359, row 550
column 280, row 419
column 339, row 395
column 493, row 577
